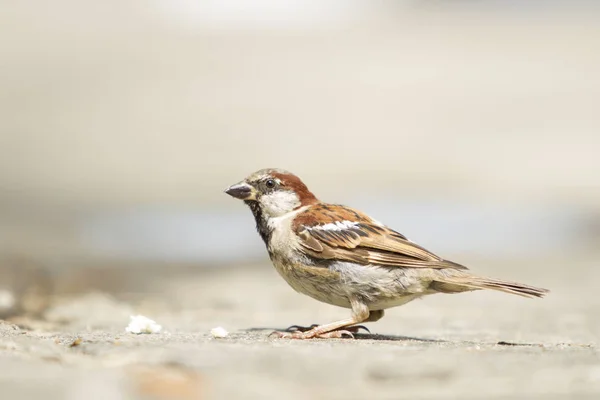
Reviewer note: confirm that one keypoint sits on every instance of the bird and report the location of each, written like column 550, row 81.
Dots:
column 343, row 257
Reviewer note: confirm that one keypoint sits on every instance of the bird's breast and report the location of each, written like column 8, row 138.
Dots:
column 319, row 283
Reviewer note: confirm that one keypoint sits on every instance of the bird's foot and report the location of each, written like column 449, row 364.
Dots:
column 299, row 328
column 301, row 332
column 357, row 328
column 337, row 334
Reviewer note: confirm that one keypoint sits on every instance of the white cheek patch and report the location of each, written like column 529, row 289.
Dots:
column 279, row 203
column 336, row 226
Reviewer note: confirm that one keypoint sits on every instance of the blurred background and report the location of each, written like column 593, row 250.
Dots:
column 470, row 126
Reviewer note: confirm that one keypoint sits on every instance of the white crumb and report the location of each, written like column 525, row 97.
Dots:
column 219, row 332
column 7, row 300
column 140, row 324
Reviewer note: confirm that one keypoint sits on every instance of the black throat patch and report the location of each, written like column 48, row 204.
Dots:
column 261, row 222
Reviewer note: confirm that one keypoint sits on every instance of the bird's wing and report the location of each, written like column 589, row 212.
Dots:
column 335, row 232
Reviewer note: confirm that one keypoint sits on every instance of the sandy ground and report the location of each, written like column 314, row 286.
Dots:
column 475, row 345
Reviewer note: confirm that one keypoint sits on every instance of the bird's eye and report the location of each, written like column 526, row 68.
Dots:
column 270, row 183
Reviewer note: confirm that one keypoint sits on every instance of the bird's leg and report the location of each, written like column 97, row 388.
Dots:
column 331, row 330
column 360, row 313
column 374, row 315
column 357, row 328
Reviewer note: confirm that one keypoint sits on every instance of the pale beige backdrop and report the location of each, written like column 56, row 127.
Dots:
column 472, row 127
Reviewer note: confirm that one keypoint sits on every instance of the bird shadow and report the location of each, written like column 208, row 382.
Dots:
column 363, row 336
column 401, row 338
column 397, row 338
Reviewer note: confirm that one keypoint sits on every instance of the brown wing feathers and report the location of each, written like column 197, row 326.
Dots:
column 338, row 232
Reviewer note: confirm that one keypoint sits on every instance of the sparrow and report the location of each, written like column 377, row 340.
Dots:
column 341, row 256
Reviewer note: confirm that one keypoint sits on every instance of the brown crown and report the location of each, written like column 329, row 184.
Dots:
column 293, row 182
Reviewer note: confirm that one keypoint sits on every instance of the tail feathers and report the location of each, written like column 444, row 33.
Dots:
column 457, row 284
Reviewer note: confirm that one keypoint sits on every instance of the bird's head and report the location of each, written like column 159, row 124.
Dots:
column 275, row 192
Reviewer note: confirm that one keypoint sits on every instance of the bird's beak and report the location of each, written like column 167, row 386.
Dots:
column 242, row 191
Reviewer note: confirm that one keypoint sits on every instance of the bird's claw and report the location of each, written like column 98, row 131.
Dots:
column 313, row 334
column 357, row 328
column 299, row 328
column 339, row 334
